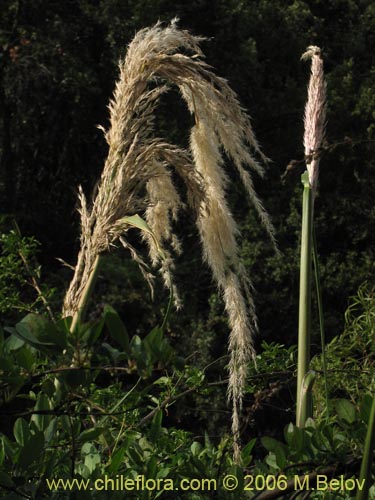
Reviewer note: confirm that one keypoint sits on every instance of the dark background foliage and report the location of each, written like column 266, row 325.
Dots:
column 58, row 65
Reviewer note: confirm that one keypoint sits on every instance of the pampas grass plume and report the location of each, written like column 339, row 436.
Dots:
column 137, row 178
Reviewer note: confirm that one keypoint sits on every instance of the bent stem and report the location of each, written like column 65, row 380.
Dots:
column 304, row 321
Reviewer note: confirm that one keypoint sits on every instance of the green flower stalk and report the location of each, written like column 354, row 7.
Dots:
column 315, row 120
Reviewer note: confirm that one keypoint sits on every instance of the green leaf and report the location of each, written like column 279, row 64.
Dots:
column 345, row 410
column 151, row 467
column 139, row 223
column 25, row 358
column 277, row 448
column 92, row 333
column 116, row 327
column 31, row 450
column 41, row 331
column 163, row 473
column 91, row 434
column 91, row 456
column 157, row 345
column 154, row 339
column 163, row 381
column 195, row 448
column 5, row 480
column 156, row 425
column 270, row 444
column 116, row 461
column 64, row 324
column 22, row 331
column 14, row 342
column 246, row 452
column 50, row 431
column 42, row 421
column 294, row 437
column 21, row 431
column 111, row 351
column 11, row 448
column 49, row 388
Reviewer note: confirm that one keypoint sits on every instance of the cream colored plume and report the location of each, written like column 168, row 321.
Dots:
column 315, row 114
column 137, row 178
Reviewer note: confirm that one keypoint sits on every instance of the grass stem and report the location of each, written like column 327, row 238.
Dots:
column 86, row 295
column 321, row 317
column 304, row 320
column 367, row 460
column 304, row 409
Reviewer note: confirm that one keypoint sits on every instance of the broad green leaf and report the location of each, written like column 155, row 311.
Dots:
column 91, row 434
column 271, row 460
column 50, row 431
column 154, row 338
column 294, row 437
column 83, row 471
column 11, row 448
column 163, row 473
column 345, row 410
column 246, row 452
column 48, row 387
column 269, row 443
column 13, row 342
column 195, row 448
column 116, row 327
column 34, row 326
column 32, row 450
column 116, row 461
column 23, row 332
column 41, row 420
column 21, row 431
column 92, row 333
column 25, row 358
column 91, row 456
column 277, row 448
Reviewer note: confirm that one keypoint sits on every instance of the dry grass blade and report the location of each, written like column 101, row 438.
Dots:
column 137, row 178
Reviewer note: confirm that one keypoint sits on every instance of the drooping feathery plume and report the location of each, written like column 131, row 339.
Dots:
column 315, row 115
column 137, row 178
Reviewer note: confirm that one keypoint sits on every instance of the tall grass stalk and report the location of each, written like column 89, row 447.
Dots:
column 321, row 317
column 368, row 457
column 304, row 317
column 137, row 179
column 315, row 119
